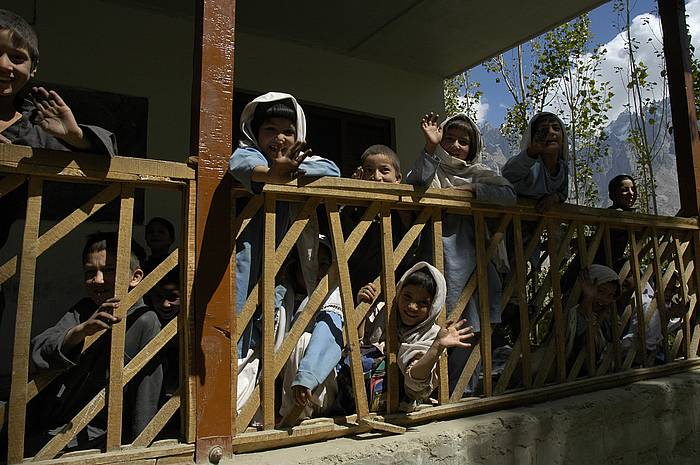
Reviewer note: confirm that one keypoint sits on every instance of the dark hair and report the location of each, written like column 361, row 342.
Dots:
column 617, row 182
column 461, row 123
column 379, row 149
column 171, row 277
column 100, row 241
column 422, row 278
column 168, row 225
column 278, row 109
column 21, row 34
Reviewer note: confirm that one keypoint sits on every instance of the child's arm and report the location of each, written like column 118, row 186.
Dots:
column 502, row 195
column 518, row 171
column 426, row 164
column 55, row 117
column 103, row 318
column 452, row 335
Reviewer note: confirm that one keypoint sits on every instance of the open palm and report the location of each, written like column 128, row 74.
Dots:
column 455, row 335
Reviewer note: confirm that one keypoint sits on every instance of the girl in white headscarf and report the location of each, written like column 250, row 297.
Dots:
column 420, row 297
column 451, row 158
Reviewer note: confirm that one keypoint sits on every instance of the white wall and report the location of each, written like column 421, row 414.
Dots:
column 112, row 47
column 313, row 75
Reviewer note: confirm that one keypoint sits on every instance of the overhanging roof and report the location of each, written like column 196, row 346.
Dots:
column 439, row 37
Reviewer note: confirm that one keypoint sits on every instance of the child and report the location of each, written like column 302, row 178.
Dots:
column 541, row 171
column 272, row 151
column 160, row 235
column 61, row 348
column 381, row 164
column 165, row 301
column 622, row 190
column 46, row 122
column 420, row 296
column 600, row 287
column 43, row 122
column 451, row 158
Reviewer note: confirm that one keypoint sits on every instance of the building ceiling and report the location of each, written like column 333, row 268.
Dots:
column 440, row 37
column 431, row 36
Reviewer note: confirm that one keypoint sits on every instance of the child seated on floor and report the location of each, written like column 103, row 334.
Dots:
column 420, row 296
column 61, row 348
column 451, row 159
column 600, row 287
column 273, row 128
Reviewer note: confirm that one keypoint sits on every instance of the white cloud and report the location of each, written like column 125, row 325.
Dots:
column 480, row 107
column 646, row 28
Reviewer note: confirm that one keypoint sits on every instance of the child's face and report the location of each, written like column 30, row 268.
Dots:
column 380, row 167
column 625, row 194
column 606, row 294
column 549, row 133
column 15, row 66
column 100, row 273
column 455, row 141
column 275, row 135
column 414, row 304
column 166, row 301
column 158, row 237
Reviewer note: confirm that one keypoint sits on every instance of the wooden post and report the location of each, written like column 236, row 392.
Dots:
column 389, row 290
column 684, row 118
column 211, row 141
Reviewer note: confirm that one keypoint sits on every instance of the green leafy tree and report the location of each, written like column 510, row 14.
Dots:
column 560, row 70
column 462, row 95
column 646, row 105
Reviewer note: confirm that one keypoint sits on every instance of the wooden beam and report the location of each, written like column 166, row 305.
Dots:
column 211, row 141
column 23, row 324
column 683, row 114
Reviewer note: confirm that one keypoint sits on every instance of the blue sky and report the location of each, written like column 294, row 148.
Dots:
column 604, row 29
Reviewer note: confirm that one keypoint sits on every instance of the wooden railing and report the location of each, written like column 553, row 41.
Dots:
column 120, row 176
column 661, row 250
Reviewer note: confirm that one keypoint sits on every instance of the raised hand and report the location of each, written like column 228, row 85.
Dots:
column 285, row 165
column 358, row 174
column 432, row 131
column 368, row 293
column 56, row 118
column 454, row 335
column 103, row 318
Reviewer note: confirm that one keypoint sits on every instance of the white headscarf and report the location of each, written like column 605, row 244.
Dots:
column 453, row 172
column 249, row 138
column 414, row 341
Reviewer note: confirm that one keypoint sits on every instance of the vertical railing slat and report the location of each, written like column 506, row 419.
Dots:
column 115, row 391
column 389, row 290
column 560, row 332
column 634, row 263
column 482, row 262
column 350, row 327
column 590, row 334
column 660, row 294
column 521, row 276
column 23, row 323
column 267, row 297
column 616, row 330
column 439, row 261
column 185, row 319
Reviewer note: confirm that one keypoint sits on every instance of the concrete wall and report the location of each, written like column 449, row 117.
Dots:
column 646, row 423
column 114, row 46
